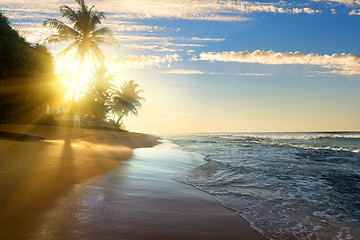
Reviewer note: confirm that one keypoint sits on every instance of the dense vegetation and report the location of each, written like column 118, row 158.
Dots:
column 28, row 85
column 27, row 79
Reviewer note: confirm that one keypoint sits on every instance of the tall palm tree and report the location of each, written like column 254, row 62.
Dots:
column 126, row 100
column 85, row 34
column 96, row 101
column 100, row 84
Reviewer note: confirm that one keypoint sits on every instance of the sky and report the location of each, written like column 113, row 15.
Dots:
column 224, row 66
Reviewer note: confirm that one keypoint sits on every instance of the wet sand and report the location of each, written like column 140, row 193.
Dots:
column 35, row 174
column 79, row 186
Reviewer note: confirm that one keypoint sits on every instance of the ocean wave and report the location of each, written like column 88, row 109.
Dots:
column 306, row 186
column 285, row 136
column 329, row 148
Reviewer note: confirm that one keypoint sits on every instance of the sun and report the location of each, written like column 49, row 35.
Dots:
column 67, row 68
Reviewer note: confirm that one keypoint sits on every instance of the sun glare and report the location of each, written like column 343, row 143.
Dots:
column 68, row 69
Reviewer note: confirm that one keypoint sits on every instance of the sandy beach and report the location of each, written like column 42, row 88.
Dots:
column 91, row 184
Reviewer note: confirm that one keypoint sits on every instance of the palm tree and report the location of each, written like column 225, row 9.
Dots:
column 85, row 34
column 100, row 83
column 126, row 100
column 96, row 101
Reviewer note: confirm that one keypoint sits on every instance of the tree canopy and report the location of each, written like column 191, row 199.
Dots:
column 84, row 33
column 27, row 79
column 28, row 84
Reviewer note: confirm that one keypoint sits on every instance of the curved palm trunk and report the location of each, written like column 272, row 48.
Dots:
column 117, row 122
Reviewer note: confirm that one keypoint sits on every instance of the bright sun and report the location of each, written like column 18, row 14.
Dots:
column 67, row 67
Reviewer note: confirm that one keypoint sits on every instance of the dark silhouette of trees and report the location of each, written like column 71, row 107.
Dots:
column 126, row 101
column 28, row 85
column 95, row 104
column 85, row 34
column 27, row 79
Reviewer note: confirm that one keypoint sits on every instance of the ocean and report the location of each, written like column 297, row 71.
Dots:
column 286, row 185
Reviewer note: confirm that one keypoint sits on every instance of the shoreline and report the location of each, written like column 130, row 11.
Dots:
column 94, row 184
column 139, row 200
column 34, row 175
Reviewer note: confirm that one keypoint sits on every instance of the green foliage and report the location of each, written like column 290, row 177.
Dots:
column 27, row 79
column 12, row 48
column 102, row 99
column 85, row 34
column 126, row 101
column 95, row 102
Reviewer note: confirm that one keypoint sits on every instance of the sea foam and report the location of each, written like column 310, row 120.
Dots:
column 301, row 185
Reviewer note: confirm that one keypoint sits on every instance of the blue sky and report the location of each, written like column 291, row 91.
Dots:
column 219, row 66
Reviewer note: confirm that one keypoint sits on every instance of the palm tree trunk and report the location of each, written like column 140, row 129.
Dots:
column 72, row 105
column 120, row 117
column 77, row 80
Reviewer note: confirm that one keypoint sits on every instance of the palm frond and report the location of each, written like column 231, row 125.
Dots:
column 104, row 31
column 62, row 28
column 56, row 38
column 83, row 7
column 126, row 101
column 52, row 22
column 68, row 13
column 112, row 42
column 79, row 1
column 97, row 53
column 95, row 19
column 69, row 48
column 82, row 48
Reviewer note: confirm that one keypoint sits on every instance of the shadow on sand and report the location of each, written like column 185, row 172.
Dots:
column 34, row 175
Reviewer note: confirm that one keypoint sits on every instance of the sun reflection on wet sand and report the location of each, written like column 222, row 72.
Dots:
column 33, row 175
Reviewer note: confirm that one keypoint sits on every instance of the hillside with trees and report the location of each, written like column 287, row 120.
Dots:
column 27, row 79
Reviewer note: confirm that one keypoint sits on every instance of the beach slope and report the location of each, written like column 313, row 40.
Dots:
column 140, row 200
column 93, row 184
column 35, row 174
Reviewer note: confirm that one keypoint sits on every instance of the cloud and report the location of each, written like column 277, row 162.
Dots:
column 189, row 71
column 160, row 44
column 141, row 62
column 208, row 39
column 183, row 71
column 154, row 47
column 354, row 4
column 345, row 64
column 120, row 13
column 203, row 10
column 344, row 2
column 354, row 12
column 116, row 26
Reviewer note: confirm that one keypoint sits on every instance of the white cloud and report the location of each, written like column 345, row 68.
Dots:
column 189, row 71
column 183, row 71
column 155, row 47
column 137, row 38
column 304, row 10
column 119, row 13
column 354, row 12
column 226, row 10
column 253, row 74
column 345, row 64
column 345, row 2
column 354, row 4
column 141, row 62
column 208, row 39
column 154, row 43
column 129, row 27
